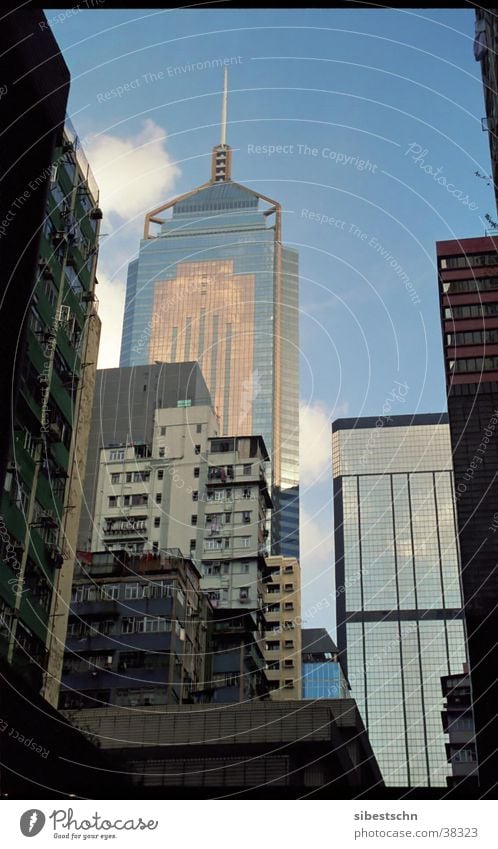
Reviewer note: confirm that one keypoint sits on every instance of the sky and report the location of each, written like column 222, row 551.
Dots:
column 364, row 124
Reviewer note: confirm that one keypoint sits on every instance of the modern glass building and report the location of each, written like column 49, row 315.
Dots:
column 322, row 675
column 215, row 284
column 399, row 618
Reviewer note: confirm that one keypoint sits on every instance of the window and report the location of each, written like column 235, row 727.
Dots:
column 246, row 493
column 196, row 471
column 193, row 519
column 195, row 495
column 465, row 756
column 162, row 452
column 198, row 428
column 128, row 477
column 246, row 516
column 163, row 431
column 289, row 605
column 113, row 501
column 288, row 644
column 160, row 474
column 289, row 587
column 159, row 497
column 289, row 664
column 197, row 449
column 289, row 683
column 117, row 455
column 157, row 522
column 115, row 477
column 247, row 468
column 126, row 500
column 193, row 544
column 140, row 477
column 242, row 542
column 244, row 594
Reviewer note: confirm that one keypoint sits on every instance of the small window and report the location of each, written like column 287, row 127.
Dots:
column 289, row 683
column 163, row 431
column 161, row 452
column 128, row 477
column 155, row 547
column 113, row 501
column 197, row 449
column 289, row 664
column 115, row 477
column 126, row 500
column 195, row 495
column 196, row 471
column 160, row 474
column 198, row 428
column 193, row 520
column 159, row 497
column 193, row 544
column 157, row 521
column 247, row 468
column 246, row 493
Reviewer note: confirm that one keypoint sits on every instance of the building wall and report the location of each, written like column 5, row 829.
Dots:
column 468, row 290
column 283, row 634
column 400, row 625
column 41, row 499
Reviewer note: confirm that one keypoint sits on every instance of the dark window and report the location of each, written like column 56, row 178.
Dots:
column 193, row 520
column 197, row 449
column 160, row 474
column 195, row 495
column 196, row 472
column 157, row 522
column 198, row 428
column 159, row 497
column 128, row 477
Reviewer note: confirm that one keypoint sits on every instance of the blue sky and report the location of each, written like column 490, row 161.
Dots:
column 396, row 90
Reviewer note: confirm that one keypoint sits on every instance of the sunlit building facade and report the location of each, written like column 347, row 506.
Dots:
column 213, row 283
column 399, row 617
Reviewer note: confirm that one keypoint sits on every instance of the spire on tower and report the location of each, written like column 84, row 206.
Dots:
column 224, row 106
column 221, row 162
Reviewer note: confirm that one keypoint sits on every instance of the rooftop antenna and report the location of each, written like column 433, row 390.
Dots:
column 224, row 108
column 221, row 162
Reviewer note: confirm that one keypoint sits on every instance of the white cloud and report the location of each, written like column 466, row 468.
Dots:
column 111, row 295
column 316, row 535
column 315, row 421
column 134, row 173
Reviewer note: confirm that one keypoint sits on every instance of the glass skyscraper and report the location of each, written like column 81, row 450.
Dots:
column 215, row 284
column 399, row 617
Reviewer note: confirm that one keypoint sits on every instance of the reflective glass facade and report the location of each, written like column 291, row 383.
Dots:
column 215, row 285
column 399, row 615
column 324, row 681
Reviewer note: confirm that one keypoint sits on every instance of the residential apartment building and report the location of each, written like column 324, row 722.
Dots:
column 468, row 292
column 41, row 498
column 283, row 629
column 399, row 616
column 137, row 631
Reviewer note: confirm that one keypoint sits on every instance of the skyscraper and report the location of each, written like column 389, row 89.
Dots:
column 468, row 290
column 216, row 285
column 399, row 617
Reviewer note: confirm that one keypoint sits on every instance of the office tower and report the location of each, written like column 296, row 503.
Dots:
column 32, row 112
column 458, row 723
column 41, row 497
column 486, row 37
column 399, row 617
column 322, row 673
column 137, row 631
column 283, row 628
column 468, row 290
column 214, row 283
column 123, row 414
